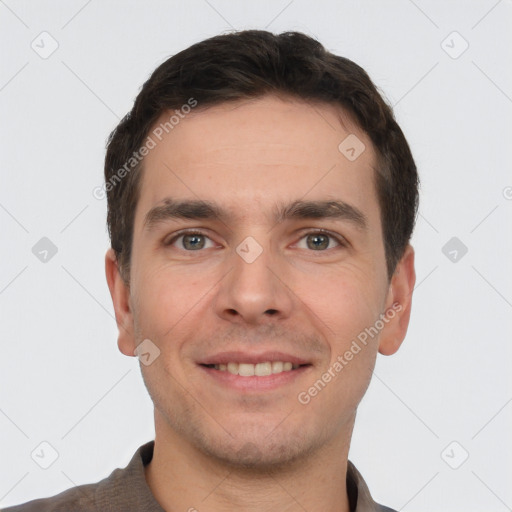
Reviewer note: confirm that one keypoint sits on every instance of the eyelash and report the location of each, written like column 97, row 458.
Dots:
column 340, row 240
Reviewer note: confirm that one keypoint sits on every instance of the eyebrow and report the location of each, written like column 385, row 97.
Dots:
column 172, row 209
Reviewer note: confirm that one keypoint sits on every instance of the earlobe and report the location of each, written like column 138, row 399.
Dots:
column 398, row 304
column 120, row 293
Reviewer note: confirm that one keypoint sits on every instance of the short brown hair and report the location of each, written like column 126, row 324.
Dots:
column 250, row 64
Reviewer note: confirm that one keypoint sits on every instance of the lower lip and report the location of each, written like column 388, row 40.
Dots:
column 255, row 383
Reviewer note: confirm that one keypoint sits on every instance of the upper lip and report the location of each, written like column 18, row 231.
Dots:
column 253, row 358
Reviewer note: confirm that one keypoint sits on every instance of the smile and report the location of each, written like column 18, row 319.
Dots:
column 259, row 370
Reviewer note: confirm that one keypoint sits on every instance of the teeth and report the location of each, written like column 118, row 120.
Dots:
column 262, row 369
column 259, row 369
column 245, row 370
column 277, row 367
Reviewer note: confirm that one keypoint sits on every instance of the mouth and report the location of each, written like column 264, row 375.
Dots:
column 254, row 372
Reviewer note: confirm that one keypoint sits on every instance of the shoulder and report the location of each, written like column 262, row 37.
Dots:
column 79, row 498
column 89, row 497
column 123, row 489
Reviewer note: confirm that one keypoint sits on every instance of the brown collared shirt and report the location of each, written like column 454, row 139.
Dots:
column 126, row 490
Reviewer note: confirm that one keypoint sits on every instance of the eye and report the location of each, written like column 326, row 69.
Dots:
column 319, row 241
column 190, row 241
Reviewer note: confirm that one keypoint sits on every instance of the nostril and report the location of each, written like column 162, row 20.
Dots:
column 271, row 312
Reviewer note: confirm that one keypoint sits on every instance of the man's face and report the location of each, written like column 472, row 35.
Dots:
column 299, row 290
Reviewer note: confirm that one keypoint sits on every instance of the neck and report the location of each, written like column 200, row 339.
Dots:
column 183, row 478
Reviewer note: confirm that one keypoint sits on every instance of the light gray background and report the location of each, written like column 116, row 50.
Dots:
column 62, row 379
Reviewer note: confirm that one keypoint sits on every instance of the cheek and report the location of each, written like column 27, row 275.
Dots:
column 344, row 300
column 343, row 307
column 166, row 296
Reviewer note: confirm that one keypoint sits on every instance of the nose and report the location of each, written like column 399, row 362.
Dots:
column 254, row 292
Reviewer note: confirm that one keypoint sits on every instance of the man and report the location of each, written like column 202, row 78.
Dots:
column 261, row 199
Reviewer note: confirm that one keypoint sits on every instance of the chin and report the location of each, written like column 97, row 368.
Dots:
column 262, row 453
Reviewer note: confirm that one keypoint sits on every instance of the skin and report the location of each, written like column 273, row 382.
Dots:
column 219, row 448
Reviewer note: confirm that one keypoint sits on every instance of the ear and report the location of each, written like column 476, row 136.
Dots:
column 399, row 301
column 120, row 293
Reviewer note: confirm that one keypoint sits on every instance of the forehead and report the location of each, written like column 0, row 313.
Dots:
column 255, row 151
